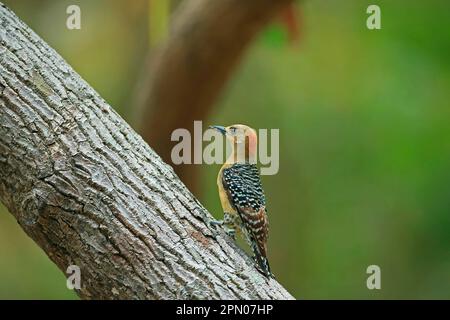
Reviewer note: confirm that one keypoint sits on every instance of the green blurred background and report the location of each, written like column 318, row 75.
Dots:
column 364, row 119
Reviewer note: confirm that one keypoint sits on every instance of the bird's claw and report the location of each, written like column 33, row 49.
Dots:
column 213, row 227
column 231, row 233
column 214, row 223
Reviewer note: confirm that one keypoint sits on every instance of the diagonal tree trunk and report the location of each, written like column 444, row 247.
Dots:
column 90, row 192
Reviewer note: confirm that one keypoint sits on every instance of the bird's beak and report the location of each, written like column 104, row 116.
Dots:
column 221, row 129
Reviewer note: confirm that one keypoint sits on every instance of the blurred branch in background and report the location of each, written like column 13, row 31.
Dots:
column 186, row 75
column 291, row 20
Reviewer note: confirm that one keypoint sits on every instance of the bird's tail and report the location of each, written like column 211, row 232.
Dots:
column 263, row 264
column 262, row 261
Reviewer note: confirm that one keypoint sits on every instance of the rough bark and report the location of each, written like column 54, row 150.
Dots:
column 90, row 192
column 188, row 73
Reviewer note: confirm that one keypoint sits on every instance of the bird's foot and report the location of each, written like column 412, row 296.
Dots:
column 232, row 233
column 214, row 223
column 229, row 231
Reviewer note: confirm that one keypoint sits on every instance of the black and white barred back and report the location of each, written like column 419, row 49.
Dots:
column 243, row 185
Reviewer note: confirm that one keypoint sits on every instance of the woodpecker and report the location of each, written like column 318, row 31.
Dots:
column 241, row 193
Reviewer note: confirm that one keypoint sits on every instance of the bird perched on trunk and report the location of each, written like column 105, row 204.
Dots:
column 241, row 193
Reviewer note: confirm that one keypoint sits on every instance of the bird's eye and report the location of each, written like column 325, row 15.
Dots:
column 233, row 129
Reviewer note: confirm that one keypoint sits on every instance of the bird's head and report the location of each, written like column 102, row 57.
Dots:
column 243, row 139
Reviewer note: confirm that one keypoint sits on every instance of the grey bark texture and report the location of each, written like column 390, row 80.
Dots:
column 90, row 192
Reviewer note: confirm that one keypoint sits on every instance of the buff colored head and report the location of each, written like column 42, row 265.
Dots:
column 243, row 139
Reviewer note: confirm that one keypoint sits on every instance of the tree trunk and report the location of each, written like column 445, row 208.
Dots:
column 90, row 192
column 188, row 73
